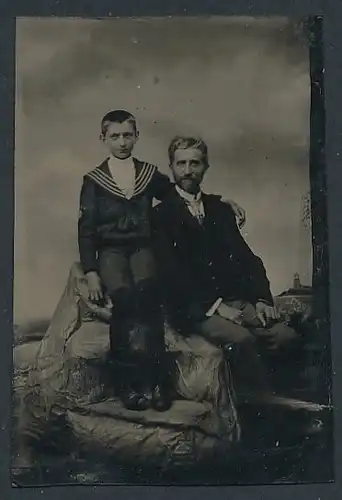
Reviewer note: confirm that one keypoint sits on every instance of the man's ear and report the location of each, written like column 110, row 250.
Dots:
column 102, row 137
column 137, row 135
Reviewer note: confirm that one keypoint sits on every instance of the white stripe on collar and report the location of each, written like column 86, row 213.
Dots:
column 107, row 182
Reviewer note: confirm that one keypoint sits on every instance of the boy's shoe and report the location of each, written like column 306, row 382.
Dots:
column 161, row 399
column 135, row 401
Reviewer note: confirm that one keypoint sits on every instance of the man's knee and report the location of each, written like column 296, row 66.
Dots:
column 283, row 335
column 226, row 332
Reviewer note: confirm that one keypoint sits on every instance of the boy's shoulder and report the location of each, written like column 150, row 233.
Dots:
column 140, row 161
column 144, row 167
column 103, row 166
column 101, row 176
column 140, row 165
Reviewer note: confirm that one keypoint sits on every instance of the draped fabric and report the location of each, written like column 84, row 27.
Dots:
column 68, row 384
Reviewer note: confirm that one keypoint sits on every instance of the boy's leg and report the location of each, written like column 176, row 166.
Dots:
column 152, row 323
column 148, row 299
column 116, row 276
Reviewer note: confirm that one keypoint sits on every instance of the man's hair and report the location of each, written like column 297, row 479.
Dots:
column 181, row 142
column 117, row 116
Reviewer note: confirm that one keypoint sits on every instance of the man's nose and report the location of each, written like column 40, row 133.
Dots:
column 122, row 140
column 187, row 168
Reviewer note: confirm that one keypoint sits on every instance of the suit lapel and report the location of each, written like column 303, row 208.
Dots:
column 180, row 213
column 209, row 208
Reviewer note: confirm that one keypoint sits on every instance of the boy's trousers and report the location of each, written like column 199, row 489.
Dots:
column 137, row 327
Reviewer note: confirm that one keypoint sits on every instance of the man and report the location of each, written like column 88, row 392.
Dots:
column 211, row 281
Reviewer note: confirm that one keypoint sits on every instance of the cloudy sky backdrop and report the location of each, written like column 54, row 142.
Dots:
column 241, row 83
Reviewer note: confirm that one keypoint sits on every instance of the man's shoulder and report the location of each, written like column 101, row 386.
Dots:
column 215, row 202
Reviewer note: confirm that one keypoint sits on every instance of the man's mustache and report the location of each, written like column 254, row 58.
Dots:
column 188, row 178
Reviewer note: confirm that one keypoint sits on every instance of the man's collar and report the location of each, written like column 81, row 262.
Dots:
column 188, row 196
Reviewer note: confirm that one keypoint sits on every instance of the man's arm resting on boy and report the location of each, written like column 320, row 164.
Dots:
column 161, row 186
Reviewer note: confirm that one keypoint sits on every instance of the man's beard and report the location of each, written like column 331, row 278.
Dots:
column 190, row 185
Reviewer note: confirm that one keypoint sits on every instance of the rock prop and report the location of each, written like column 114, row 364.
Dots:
column 63, row 394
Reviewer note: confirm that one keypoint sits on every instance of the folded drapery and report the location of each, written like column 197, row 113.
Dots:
column 69, row 378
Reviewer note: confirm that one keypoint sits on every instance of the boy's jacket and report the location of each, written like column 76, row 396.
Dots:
column 107, row 218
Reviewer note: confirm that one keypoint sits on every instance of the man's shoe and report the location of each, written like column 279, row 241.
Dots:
column 161, row 399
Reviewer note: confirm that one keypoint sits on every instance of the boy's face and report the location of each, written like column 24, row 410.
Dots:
column 120, row 139
column 188, row 168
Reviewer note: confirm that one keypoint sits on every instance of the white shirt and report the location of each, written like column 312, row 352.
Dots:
column 196, row 208
column 193, row 202
column 123, row 173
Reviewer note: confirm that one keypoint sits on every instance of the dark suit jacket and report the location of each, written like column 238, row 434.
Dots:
column 107, row 218
column 197, row 263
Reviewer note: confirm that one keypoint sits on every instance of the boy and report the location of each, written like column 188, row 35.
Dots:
column 114, row 242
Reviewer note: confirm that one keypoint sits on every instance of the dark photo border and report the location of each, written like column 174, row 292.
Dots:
column 326, row 182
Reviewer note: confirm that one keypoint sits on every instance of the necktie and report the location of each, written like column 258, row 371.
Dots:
column 195, row 208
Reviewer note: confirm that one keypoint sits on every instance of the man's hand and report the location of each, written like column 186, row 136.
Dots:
column 94, row 286
column 266, row 313
column 239, row 212
column 230, row 313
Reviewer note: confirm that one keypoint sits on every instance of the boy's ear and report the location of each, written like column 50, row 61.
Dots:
column 137, row 135
column 102, row 137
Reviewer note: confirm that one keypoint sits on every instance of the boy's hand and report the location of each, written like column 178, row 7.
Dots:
column 94, row 286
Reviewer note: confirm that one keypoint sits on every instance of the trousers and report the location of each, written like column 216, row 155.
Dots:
column 137, row 326
column 244, row 344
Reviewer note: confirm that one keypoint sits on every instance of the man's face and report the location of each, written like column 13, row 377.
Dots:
column 188, row 168
column 120, row 139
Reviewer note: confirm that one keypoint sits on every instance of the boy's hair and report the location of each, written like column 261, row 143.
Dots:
column 182, row 142
column 117, row 116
